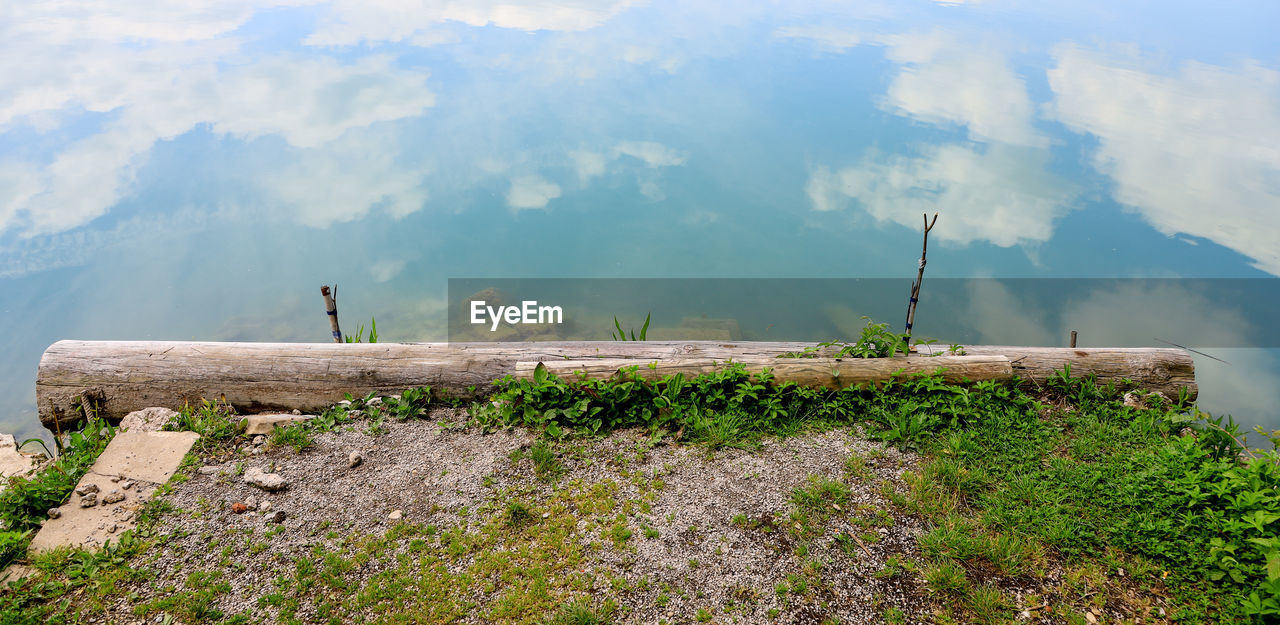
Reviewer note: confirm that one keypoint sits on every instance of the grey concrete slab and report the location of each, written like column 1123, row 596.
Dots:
column 132, row 466
column 149, row 456
column 91, row 527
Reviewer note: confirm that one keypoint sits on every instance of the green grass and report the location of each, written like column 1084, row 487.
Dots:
column 215, row 422
column 1057, row 490
column 298, row 437
column 25, row 502
column 1008, row 484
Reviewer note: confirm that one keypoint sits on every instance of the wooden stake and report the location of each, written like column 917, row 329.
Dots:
column 915, row 286
column 331, row 308
column 1073, row 338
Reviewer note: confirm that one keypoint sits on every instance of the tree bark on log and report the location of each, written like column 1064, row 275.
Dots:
column 832, row 373
column 123, row 376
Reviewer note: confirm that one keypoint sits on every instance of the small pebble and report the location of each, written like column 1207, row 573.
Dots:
column 54, row 513
column 115, row 496
column 264, row 507
column 297, row 412
column 239, row 508
column 354, row 459
column 208, row 469
column 86, row 489
column 259, row 439
column 251, row 503
column 128, row 485
column 395, row 515
column 88, row 501
column 278, row 517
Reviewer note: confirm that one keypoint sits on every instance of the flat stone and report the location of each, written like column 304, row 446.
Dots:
column 148, row 456
column 16, row 572
column 148, row 459
column 263, row 423
column 78, row 527
column 12, row 461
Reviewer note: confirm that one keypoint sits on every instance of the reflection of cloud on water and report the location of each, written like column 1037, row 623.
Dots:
column 947, row 81
column 352, row 22
column 944, row 80
column 1001, row 194
column 310, row 103
column 1194, row 152
column 998, row 192
column 531, row 192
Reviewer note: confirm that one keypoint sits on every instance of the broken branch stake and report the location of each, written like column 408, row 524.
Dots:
column 331, row 309
column 915, row 286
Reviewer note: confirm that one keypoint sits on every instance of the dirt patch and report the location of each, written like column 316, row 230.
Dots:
column 673, row 533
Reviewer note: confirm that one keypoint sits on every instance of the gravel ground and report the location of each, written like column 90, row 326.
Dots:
column 437, row 474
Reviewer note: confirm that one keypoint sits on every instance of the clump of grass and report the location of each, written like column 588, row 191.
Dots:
column 298, row 437
column 947, row 578
column 518, row 514
column 545, row 463
column 582, row 613
column 215, row 422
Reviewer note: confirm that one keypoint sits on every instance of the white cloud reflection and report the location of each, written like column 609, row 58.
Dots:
column 307, row 102
column 1194, row 152
column 352, row 22
column 1001, row 194
column 947, row 81
column 531, row 191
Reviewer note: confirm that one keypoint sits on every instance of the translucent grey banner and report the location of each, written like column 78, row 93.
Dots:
column 1195, row 313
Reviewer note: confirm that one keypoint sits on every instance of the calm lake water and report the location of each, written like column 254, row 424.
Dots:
column 197, row 170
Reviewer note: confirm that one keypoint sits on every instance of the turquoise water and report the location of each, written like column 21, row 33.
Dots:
column 197, row 171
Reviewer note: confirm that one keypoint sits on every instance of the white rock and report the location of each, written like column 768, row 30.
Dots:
column 395, row 515
column 208, row 469
column 264, row 507
column 86, row 489
column 147, row 420
column 354, row 459
column 251, row 503
column 270, row 482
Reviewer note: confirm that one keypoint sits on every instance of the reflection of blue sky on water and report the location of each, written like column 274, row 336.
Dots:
column 196, row 171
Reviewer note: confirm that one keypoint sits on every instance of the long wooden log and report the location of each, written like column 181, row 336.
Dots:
column 122, row 376
column 832, row 373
